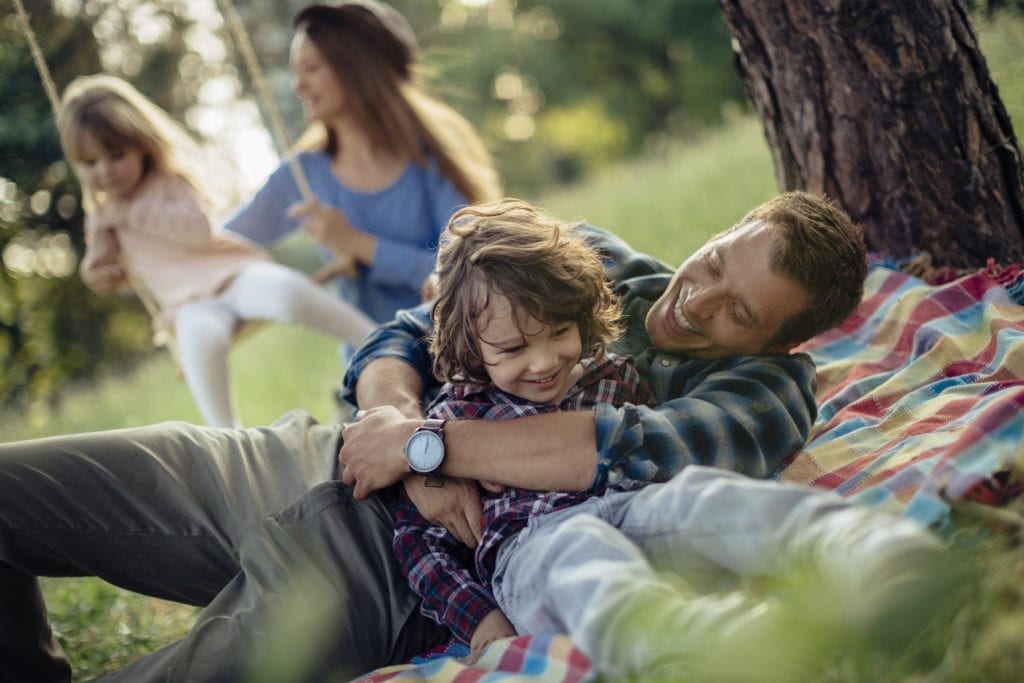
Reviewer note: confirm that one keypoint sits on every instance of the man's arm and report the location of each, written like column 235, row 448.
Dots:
column 745, row 414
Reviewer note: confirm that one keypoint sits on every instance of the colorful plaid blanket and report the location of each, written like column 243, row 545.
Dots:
column 920, row 394
column 541, row 658
column 921, row 401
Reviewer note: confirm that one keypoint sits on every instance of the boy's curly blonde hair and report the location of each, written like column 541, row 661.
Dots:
column 545, row 268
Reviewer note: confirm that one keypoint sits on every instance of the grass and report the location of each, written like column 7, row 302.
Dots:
column 665, row 205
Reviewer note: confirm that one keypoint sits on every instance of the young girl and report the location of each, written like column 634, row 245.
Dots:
column 387, row 163
column 146, row 218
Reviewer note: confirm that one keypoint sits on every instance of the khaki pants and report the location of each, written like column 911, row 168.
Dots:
column 249, row 523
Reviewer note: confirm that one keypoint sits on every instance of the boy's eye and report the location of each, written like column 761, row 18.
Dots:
column 513, row 349
column 561, row 330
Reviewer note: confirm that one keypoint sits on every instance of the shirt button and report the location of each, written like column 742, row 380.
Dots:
column 665, row 362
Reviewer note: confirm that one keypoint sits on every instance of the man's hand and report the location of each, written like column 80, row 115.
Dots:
column 373, row 449
column 492, row 627
column 455, row 506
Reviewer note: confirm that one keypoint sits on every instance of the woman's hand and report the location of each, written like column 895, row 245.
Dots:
column 331, row 228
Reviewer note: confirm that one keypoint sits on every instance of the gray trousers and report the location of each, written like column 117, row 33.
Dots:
column 249, row 523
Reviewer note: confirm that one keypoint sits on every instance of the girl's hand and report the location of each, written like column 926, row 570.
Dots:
column 331, row 228
column 102, row 278
column 100, row 268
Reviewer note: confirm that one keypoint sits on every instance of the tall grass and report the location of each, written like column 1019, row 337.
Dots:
column 665, row 205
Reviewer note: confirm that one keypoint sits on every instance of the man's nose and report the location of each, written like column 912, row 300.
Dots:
column 703, row 302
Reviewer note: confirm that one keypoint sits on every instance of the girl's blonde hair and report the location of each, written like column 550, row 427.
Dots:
column 120, row 117
column 372, row 51
column 544, row 267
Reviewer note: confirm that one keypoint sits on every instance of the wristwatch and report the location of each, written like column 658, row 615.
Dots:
column 425, row 449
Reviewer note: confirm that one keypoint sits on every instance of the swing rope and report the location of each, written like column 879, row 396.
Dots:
column 162, row 334
column 343, row 263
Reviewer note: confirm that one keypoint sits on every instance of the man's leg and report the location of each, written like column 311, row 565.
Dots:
column 319, row 597
column 158, row 510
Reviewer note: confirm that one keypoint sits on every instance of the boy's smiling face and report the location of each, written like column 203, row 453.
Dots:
column 525, row 357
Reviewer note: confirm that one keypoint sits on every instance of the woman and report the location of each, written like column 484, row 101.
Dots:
column 387, row 163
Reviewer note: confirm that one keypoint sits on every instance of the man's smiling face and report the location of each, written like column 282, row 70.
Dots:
column 725, row 300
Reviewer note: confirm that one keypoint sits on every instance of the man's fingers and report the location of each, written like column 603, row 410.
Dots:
column 462, row 529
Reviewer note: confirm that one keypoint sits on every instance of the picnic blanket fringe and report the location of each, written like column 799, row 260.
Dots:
column 920, row 265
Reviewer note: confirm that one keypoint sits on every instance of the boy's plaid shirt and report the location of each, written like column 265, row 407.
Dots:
column 454, row 580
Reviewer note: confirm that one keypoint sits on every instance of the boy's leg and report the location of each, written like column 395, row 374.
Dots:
column 159, row 510
column 709, row 520
column 577, row 574
column 319, row 597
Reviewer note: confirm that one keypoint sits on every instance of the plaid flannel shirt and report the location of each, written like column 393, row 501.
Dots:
column 744, row 413
column 453, row 580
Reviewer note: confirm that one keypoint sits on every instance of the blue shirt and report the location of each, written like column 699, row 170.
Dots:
column 407, row 219
column 743, row 413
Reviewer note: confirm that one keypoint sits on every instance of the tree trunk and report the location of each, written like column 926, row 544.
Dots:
column 887, row 107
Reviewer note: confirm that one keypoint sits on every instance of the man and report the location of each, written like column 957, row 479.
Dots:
column 249, row 521
column 792, row 268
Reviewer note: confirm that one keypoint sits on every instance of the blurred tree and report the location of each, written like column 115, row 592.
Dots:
column 582, row 82
column 888, row 108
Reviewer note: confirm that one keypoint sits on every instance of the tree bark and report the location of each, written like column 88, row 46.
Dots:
column 887, row 107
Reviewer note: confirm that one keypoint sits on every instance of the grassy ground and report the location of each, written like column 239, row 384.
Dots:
column 663, row 205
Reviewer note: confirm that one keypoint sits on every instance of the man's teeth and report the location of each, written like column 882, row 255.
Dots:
column 681, row 318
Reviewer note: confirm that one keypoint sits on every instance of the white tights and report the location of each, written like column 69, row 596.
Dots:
column 263, row 291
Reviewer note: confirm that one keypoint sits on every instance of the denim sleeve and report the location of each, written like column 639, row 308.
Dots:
column 264, row 218
column 399, row 262
column 404, row 338
column 745, row 414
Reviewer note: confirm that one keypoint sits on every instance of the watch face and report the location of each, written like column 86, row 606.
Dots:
column 425, row 451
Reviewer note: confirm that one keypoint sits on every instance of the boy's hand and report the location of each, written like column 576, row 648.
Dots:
column 456, row 506
column 492, row 627
column 373, row 449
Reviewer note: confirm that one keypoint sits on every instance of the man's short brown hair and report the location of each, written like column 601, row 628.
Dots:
column 818, row 246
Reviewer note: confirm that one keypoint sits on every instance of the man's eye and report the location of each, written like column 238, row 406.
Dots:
column 711, row 264
column 738, row 315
